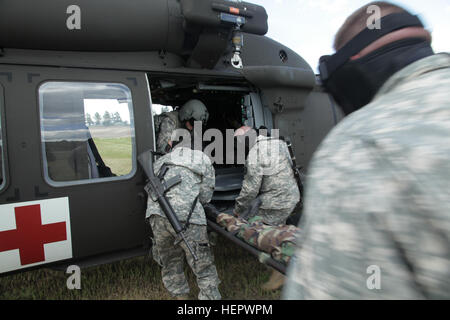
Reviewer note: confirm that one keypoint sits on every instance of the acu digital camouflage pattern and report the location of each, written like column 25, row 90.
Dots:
column 171, row 258
column 269, row 175
column 165, row 124
column 278, row 241
column 378, row 194
column 197, row 179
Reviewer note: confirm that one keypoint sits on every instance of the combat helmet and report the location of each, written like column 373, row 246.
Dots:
column 194, row 109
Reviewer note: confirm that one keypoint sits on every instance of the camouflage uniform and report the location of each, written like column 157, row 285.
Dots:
column 378, row 194
column 197, row 174
column 278, row 241
column 166, row 124
column 269, row 175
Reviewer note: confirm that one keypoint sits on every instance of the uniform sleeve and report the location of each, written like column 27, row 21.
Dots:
column 250, row 189
column 364, row 234
column 208, row 184
column 330, row 259
column 165, row 134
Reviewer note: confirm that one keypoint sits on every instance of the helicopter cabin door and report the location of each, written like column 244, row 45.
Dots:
column 71, row 187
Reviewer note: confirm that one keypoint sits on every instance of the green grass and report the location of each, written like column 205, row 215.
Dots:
column 116, row 153
column 140, row 279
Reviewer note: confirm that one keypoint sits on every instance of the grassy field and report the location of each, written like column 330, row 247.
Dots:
column 140, row 279
column 116, row 153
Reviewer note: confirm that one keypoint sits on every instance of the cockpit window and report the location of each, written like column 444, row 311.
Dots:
column 87, row 132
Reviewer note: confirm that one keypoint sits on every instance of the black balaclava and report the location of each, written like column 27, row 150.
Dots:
column 354, row 83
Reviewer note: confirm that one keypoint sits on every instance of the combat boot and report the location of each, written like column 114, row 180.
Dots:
column 275, row 282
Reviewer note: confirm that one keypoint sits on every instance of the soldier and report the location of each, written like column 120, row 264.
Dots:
column 167, row 123
column 270, row 177
column 196, row 188
column 376, row 222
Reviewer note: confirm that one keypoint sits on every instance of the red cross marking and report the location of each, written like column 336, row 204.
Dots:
column 31, row 235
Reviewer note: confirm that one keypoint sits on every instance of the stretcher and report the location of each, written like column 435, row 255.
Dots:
column 263, row 257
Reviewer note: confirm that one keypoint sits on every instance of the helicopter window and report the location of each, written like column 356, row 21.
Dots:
column 2, row 165
column 87, row 132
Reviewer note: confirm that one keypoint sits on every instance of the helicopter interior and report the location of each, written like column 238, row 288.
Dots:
column 229, row 106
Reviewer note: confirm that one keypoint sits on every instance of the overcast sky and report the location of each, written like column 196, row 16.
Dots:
column 308, row 26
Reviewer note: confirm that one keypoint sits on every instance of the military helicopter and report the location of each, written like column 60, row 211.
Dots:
column 79, row 83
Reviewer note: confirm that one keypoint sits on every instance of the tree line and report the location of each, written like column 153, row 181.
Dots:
column 108, row 119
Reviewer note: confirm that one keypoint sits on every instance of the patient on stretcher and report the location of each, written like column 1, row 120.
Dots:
column 277, row 241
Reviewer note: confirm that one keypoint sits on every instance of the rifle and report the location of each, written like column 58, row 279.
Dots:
column 297, row 173
column 158, row 187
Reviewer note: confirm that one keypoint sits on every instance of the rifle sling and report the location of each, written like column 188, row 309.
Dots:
column 161, row 174
column 190, row 213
